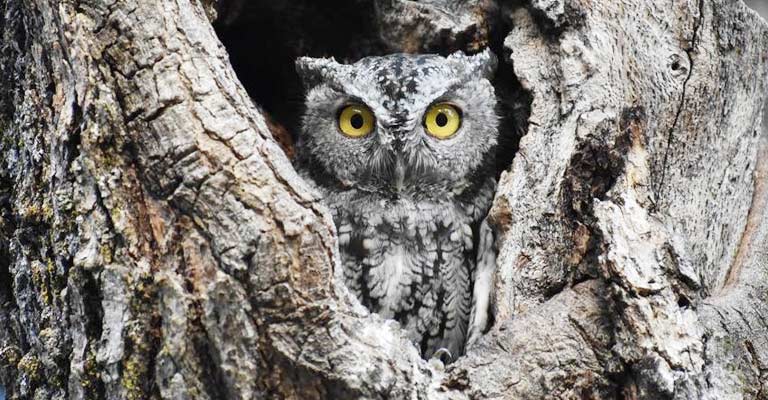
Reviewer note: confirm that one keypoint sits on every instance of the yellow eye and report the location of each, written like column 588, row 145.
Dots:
column 442, row 120
column 356, row 120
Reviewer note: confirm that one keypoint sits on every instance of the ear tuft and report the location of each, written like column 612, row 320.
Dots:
column 314, row 71
column 482, row 64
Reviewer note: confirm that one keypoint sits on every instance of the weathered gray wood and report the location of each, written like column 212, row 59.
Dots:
column 650, row 176
column 156, row 242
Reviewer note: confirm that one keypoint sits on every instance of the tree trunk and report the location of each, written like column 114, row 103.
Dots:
column 156, row 242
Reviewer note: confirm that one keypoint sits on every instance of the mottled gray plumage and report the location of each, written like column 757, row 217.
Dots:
column 408, row 207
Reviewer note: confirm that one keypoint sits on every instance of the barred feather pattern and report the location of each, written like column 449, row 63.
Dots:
column 413, row 262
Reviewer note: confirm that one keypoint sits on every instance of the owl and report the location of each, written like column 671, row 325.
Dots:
column 402, row 149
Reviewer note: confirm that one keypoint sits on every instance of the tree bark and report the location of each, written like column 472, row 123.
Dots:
column 156, row 242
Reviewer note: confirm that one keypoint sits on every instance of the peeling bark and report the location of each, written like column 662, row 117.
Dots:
column 156, row 242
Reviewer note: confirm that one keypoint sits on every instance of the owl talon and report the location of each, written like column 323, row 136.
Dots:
column 439, row 353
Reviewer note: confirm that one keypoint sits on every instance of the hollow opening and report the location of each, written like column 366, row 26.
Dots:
column 263, row 40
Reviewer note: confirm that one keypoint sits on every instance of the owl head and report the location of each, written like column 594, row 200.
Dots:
column 401, row 125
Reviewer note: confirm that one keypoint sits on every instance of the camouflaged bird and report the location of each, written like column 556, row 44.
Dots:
column 402, row 149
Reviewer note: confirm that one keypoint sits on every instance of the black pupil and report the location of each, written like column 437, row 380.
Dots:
column 441, row 120
column 357, row 121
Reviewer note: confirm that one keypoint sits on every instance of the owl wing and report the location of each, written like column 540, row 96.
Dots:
column 485, row 271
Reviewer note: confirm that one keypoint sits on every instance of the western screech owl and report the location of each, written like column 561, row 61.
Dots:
column 402, row 148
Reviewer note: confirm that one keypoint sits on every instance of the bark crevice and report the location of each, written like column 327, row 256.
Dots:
column 670, row 135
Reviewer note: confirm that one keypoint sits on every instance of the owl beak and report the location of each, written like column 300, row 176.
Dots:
column 397, row 146
column 398, row 174
column 398, row 171
column 398, row 136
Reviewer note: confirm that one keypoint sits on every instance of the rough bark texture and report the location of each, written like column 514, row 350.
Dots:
column 156, row 242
